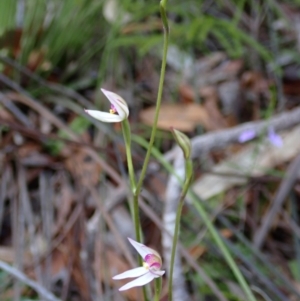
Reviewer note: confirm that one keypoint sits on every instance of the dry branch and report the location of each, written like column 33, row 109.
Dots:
column 51, row 86
column 284, row 189
column 220, row 139
column 33, row 284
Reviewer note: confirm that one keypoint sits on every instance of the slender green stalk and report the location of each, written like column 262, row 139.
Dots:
column 189, row 173
column 223, row 248
column 135, row 208
column 175, row 240
column 127, row 138
column 159, row 96
column 153, row 133
column 158, row 285
column 138, row 187
column 126, row 132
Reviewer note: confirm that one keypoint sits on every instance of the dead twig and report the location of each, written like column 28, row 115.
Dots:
column 33, row 284
column 41, row 137
column 6, row 178
column 220, row 139
column 51, row 86
column 109, row 221
column 283, row 191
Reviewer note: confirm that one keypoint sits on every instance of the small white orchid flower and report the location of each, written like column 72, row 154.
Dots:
column 118, row 105
column 146, row 273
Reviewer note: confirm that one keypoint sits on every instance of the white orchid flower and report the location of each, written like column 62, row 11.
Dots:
column 118, row 109
column 146, row 273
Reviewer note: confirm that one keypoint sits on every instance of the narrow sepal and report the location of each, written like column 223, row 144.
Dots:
column 131, row 273
column 138, row 282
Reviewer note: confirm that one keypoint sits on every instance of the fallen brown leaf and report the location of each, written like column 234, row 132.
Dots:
column 183, row 117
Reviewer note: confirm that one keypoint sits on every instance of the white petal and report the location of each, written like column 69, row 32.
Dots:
column 158, row 273
column 138, row 282
column 132, row 273
column 141, row 249
column 118, row 102
column 104, row 116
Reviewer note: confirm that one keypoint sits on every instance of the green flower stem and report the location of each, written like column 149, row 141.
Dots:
column 223, row 248
column 138, row 187
column 127, row 138
column 158, row 285
column 159, row 96
column 126, row 132
column 135, row 208
column 153, row 133
column 186, row 185
column 175, row 240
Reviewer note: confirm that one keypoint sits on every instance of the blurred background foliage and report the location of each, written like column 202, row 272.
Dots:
column 73, row 38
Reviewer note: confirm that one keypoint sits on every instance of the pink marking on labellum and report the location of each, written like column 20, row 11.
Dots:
column 113, row 109
column 153, row 261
